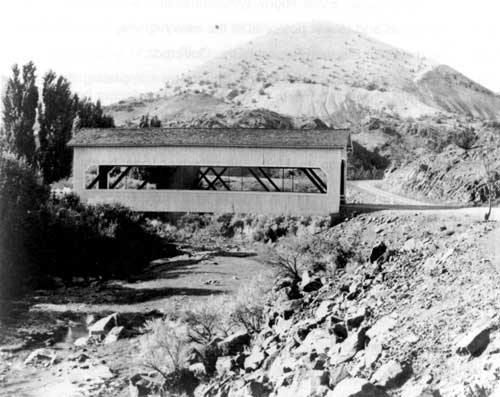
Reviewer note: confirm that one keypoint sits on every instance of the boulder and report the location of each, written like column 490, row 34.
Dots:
column 355, row 318
column 114, row 334
column 340, row 331
column 83, row 341
column 389, row 375
column 104, row 325
column 140, row 385
column 224, row 365
column 234, row 343
column 381, row 329
column 310, row 282
column 324, row 309
column 476, row 340
column 308, row 383
column 349, row 347
column 198, row 369
column 356, row 387
column 255, row 388
column 287, row 308
column 377, row 251
column 372, row 353
column 254, row 360
column 318, row 339
column 43, row 357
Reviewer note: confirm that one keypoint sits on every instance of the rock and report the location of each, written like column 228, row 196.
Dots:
column 372, row 353
column 140, row 385
column 78, row 357
column 355, row 319
column 234, row 343
column 348, row 348
column 43, row 357
column 309, row 282
column 419, row 390
column 104, row 325
column 282, row 327
column 318, row 339
column 198, row 369
column 476, row 340
column 340, row 331
column 224, row 365
column 325, row 308
column 380, row 330
column 356, row 387
column 307, row 383
column 337, row 374
column 377, row 251
column 254, row 360
column 412, row 245
column 389, row 375
column 257, row 389
column 286, row 309
column 114, row 334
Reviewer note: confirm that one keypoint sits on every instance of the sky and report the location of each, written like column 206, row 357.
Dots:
column 114, row 49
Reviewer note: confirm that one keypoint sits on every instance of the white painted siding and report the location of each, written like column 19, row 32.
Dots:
column 213, row 201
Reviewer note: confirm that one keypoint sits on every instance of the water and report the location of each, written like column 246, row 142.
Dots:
column 74, row 332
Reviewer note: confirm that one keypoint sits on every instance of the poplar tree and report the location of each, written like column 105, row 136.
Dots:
column 56, row 116
column 19, row 113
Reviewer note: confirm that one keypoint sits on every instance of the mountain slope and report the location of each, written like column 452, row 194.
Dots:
column 335, row 74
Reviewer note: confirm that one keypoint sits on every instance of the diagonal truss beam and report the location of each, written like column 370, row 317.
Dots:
column 269, row 179
column 318, row 178
column 102, row 177
column 218, row 178
column 254, row 174
column 312, row 178
column 120, row 177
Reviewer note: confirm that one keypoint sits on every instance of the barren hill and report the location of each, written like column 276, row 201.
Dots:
column 319, row 71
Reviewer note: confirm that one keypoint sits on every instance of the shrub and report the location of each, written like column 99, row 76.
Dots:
column 163, row 346
column 21, row 195
column 248, row 305
column 295, row 254
column 207, row 320
column 98, row 240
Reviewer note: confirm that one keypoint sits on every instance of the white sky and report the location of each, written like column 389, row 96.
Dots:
column 111, row 49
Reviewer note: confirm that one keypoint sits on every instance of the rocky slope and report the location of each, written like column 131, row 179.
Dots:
column 453, row 174
column 318, row 71
column 408, row 320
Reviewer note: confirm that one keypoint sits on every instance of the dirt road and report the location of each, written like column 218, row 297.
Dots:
column 370, row 195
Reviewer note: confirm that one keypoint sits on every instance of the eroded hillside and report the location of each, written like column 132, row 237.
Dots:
column 318, row 71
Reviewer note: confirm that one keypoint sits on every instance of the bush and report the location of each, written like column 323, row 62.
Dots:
column 164, row 346
column 93, row 240
column 295, row 254
column 248, row 306
column 21, row 195
column 207, row 320
column 43, row 236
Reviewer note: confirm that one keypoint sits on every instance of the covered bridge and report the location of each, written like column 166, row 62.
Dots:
column 266, row 171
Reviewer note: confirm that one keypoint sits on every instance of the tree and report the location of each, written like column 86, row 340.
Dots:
column 19, row 113
column 56, row 115
column 145, row 122
column 155, row 122
column 91, row 115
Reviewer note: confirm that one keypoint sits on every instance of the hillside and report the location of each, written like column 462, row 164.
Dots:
column 317, row 71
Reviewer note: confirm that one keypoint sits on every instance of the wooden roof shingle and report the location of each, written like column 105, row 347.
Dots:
column 212, row 137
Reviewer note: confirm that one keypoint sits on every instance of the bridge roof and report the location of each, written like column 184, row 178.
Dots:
column 214, row 137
